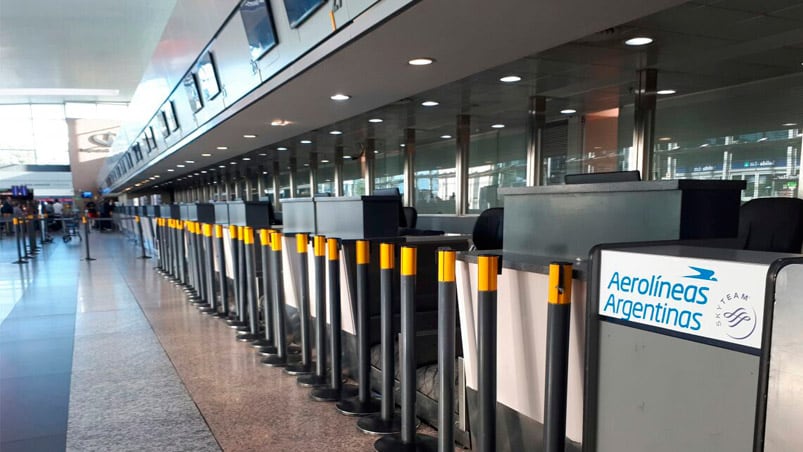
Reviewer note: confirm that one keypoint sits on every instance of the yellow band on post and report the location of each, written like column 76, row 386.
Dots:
column 363, row 252
column 15, row 221
column 332, row 249
column 83, row 220
column 560, row 283
column 301, row 243
column 249, row 235
column 218, row 231
column 446, row 263
column 207, row 230
column 409, row 257
column 264, row 237
column 276, row 241
column 233, row 232
column 386, row 256
column 136, row 218
column 487, row 271
column 319, row 245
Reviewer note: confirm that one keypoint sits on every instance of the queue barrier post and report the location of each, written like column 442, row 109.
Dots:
column 559, row 311
column 250, row 289
column 195, row 289
column 305, row 365
column 387, row 421
column 487, row 271
column 86, row 242
column 318, row 379
column 266, row 345
column 242, row 282
column 234, row 315
column 207, row 269
column 363, row 404
column 32, row 235
column 279, row 317
column 141, row 238
column 447, row 306
column 223, row 287
column 407, row 440
column 17, row 235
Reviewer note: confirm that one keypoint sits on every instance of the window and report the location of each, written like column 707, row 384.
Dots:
column 389, row 168
column 326, row 177
column 259, row 28
column 435, row 181
column 497, row 159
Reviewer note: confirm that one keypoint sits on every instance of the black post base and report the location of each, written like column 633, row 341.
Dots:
column 267, row 350
column 394, row 443
column 246, row 337
column 328, row 394
column 206, row 309
column 313, row 381
column 275, row 361
column 355, row 407
column 299, row 369
column 375, row 425
column 236, row 323
column 261, row 342
column 21, row 261
column 89, row 259
column 144, row 257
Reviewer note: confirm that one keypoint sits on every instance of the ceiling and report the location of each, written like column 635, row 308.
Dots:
column 77, row 45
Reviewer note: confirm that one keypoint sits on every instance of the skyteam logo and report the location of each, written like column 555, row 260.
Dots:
column 702, row 273
column 735, row 316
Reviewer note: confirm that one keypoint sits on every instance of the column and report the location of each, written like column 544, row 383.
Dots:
column 644, row 121
column 461, row 163
column 409, row 167
column 536, row 121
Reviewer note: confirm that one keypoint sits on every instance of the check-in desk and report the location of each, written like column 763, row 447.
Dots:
column 692, row 348
column 563, row 223
column 298, row 215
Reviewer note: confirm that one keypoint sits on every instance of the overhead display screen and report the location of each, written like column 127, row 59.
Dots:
column 192, row 92
column 299, row 10
column 207, row 77
column 259, row 29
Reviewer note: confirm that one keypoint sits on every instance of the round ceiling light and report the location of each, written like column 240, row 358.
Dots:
column 639, row 41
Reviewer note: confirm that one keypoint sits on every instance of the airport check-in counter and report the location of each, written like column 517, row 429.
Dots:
column 699, row 347
column 255, row 214
column 562, row 223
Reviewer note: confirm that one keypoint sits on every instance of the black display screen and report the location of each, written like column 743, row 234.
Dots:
column 299, row 10
column 192, row 92
column 258, row 23
column 207, row 77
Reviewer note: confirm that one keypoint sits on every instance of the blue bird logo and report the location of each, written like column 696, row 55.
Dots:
column 702, row 273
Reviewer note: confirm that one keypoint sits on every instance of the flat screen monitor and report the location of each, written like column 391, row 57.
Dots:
column 207, row 77
column 86, row 194
column 259, row 29
column 191, row 87
column 299, row 10
column 596, row 178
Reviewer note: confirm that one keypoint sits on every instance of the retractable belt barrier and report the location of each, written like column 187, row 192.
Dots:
column 141, row 238
column 88, row 257
column 407, row 440
column 387, row 421
column 305, row 365
column 557, row 355
column 223, row 286
column 21, row 259
column 447, row 304
column 208, row 270
column 364, row 403
column 194, row 289
column 234, row 314
column 318, row 379
column 266, row 345
column 279, row 316
column 250, row 302
column 488, row 269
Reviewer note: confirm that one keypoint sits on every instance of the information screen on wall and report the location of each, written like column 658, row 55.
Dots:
column 258, row 23
column 299, row 10
column 192, row 92
column 207, row 77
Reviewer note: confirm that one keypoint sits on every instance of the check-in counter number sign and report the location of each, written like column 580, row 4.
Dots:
column 718, row 300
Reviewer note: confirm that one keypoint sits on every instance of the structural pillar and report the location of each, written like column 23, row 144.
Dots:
column 409, row 167
column 536, row 121
column 461, row 163
column 644, row 121
column 338, row 161
column 367, row 166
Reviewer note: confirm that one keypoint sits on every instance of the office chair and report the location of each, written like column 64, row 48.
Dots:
column 771, row 224
column 487, row 234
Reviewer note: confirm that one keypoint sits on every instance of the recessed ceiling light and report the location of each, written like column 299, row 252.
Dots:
column 430, row 103
column 420, row 61
column 762, row 139
column 664, row 92
column 248, row 135
column 306, row 164
column 347, row 157
column 180, row 166
column 306, row 142
column 403, row 145
column 264, row 172
column 340, row 96
column 376, row 152
column 324, row 161
column 281, row 148
column 789, row 124
column 568, row 111
column 446, row 137
column 157, row 176
column 189, row 161
column 246, row 158
column 190, row 176
column 203, row 172
column 375, row 120
column 197, row 174
column 262, row 154
column 232, row 163
column 279, row 123
column 170, row 170
column 497, row 126
column 664, row 138
column 639, row 41
column 222, row 148
column 510, row 79
column 206, row 155
column 335, row 132
column 221, row 166
column 212, row 169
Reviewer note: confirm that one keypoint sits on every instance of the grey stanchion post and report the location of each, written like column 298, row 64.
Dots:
column 250, row 288
column 32, row 235
column 86, row 242
column 305, row 365
column 265, row 345
column 182, row 255
column 17, row 235
column 487, row 269
column 559, row 312
column 206, row 269
column 279, row 317
column 176, row 252
column 447, row 305
column 318, row 379
column 195, row 288
column 141, row 238
column 159, row 238
column 387, row 421
column 242, row 302
column 407, row 440
column 334, row 391
column 223, row 286
column 364, row 403
column 234, row 317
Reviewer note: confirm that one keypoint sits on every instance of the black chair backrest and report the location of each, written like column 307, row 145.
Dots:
column 410, row 217
column 772, row 224
column 394, row 193
column 487, row 233
column 595, row 178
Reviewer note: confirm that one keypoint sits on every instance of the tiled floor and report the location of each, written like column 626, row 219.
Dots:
column 108, row 355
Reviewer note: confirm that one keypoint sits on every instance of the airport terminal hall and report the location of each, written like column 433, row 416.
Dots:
column 401, row 225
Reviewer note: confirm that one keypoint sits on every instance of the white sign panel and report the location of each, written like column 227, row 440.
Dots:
column 719, row 300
